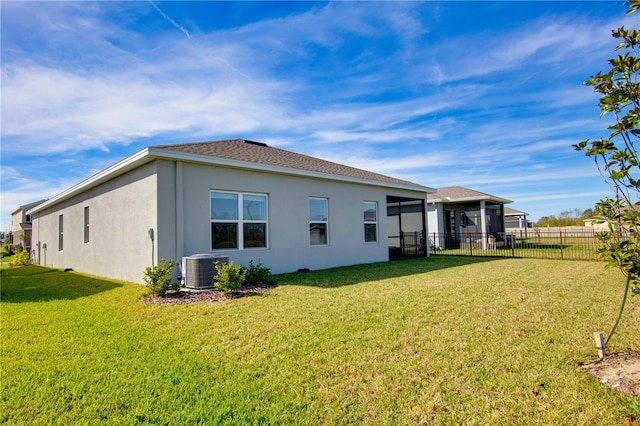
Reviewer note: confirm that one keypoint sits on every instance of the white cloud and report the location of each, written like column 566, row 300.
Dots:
column 18, row 190
column 364, row 79
column 79, row 112
column 561, row 196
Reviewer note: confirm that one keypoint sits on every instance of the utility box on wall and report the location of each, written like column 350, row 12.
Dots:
column 199, row 271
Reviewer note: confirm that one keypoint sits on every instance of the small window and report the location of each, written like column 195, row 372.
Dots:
column 60, row 233
column 318, row 221
column 370, row 210
column 86, row 224
column 238, row 220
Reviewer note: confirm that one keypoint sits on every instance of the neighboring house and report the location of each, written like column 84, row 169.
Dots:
column 457, row 215
column 234, row 198
column 21, row 226
column 516, row 222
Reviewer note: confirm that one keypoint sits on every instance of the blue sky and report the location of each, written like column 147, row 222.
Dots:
column 486, row 95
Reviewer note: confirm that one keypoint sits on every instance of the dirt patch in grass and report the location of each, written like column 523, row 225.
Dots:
column 182, row 296
column 619, row 372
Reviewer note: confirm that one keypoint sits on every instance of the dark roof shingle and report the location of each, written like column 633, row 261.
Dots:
column 457, row 193
column 260, row 153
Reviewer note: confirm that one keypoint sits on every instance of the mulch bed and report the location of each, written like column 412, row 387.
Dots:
column 618, row 371
column 182, row 296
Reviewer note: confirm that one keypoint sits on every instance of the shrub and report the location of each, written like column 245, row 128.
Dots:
column 230, row 277
column 258, row 274
column 158, row 278
column 6, row 250
column 21, row 258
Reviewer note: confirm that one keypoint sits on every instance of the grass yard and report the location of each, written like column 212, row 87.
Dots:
column 571, row 247
column 444, row 340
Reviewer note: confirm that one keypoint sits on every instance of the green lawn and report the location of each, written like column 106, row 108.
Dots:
column 443, row 340
column 571, row 247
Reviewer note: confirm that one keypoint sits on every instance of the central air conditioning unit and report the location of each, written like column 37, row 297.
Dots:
column 199, row 271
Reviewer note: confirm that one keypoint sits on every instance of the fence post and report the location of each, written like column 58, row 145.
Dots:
column 512, row 244
column 561, row 245
column 470, row 246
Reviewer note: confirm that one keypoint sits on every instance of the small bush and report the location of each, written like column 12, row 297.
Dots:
column 158, row 278
column 6, row 250
column 230, row 277
column 21, row 258
column 258, row 274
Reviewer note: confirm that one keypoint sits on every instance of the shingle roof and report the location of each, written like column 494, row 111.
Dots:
column 237, row 153
column 513, row 212
column 460, row 193
column 260, row 153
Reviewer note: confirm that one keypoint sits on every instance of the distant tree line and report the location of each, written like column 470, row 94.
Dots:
column 574, row 217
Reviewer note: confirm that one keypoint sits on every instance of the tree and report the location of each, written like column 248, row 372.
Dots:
column 587, row 214
column 616, row 158
column 573, row 217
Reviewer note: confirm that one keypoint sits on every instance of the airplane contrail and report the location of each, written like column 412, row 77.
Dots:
column 171, row 21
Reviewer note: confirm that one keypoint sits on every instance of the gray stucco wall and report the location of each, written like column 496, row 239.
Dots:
column 121, row 212
column 289, row 245
column 173, row 198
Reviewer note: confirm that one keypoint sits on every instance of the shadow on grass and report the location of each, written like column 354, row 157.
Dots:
column 40, row 284
column 349, row 275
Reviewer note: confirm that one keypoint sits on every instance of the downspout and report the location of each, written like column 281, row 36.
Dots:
column 425, row 227
column 179, row 214
column 400, row 228
column 483, row 223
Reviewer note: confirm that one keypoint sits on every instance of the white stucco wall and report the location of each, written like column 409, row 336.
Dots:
column 435, row 215
column 121, row 212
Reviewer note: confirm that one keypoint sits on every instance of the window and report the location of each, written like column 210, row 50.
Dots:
column 370, row 210
column 238, row 220
column 318, row 221
column 86, row 224
column 60, row 232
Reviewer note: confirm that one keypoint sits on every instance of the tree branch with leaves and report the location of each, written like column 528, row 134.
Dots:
column 616, row 158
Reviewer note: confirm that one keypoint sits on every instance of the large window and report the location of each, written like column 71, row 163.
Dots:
column 318, row 221
column 370, row 210
column 238, row 220
column 86, row 224
column 60, row 233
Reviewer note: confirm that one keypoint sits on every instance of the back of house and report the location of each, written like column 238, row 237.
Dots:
column 235, row 198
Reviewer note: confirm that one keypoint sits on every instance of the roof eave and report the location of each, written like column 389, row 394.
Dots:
column 468, row 199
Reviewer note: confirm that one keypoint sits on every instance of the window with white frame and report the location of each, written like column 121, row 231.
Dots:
column 370, row 210
column 86, row 224
column 60, row 232
column 318, row 221
column 238, row 220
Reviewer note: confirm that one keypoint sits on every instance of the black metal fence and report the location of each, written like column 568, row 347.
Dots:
column 407, row 244
column 571, row 244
